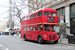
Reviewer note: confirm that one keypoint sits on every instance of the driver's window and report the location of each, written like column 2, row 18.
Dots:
column 52, row 28
column 46, row 27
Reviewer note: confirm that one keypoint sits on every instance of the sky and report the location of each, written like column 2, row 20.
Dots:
column 3, row 10
column 4, row 13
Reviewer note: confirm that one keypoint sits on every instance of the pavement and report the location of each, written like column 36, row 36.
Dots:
column 65, row 42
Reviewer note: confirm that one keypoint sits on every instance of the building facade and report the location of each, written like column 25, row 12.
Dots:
column 67, row 9
column 2, row 26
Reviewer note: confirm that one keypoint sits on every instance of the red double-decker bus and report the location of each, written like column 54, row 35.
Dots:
column 39, row 26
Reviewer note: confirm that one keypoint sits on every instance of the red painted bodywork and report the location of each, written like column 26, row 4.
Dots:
column 33, row 35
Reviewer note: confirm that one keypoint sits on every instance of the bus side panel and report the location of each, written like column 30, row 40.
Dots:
column 22, row 32
column 45, row 19
column 34, row 34
column 27, row 35
column 40, row 33
column 21, row 35
column 34, row 20
column 31, row 35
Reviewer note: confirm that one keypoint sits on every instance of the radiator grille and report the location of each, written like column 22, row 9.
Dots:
column 52, row 37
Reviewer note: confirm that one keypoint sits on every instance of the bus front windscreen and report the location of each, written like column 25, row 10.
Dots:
column 46, row 13
column 53, row 14
column 46, row 27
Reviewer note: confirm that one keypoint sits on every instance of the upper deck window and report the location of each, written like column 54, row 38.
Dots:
column 23, row 19
column 28, row 17
column 35, row 15
column 40, row 13
column 46, row 13
column 53, row 14
column 31, row 16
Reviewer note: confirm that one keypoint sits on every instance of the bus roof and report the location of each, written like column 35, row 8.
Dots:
column 49, row 9
column 44, row 9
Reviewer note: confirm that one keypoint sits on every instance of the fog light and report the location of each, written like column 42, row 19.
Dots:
column 45, row 36
column 57, row 36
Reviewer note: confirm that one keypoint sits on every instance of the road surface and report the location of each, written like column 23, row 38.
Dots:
column 16, row 43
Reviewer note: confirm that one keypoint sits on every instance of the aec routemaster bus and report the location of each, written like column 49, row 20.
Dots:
column 39, row 26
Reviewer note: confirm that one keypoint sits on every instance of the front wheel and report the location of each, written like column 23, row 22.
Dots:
column 40, row 40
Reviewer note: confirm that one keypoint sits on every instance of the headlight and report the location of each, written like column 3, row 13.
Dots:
column 57, row 36
column 45, row 36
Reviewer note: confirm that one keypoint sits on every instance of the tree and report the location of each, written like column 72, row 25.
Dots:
column 22, row 4
column 38, row 4
column 34, row 4
column 18, row 8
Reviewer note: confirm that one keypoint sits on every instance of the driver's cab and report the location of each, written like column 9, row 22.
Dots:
column 48, row 32
column 47, row 28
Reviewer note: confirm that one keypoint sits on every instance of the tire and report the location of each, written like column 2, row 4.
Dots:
column 40, row 40
column 24, row 37
column 56, row 42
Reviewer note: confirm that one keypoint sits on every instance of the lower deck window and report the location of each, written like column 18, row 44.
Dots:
column 34, row 28
column 31, row 28
column 27, row 28
column 24, row 28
